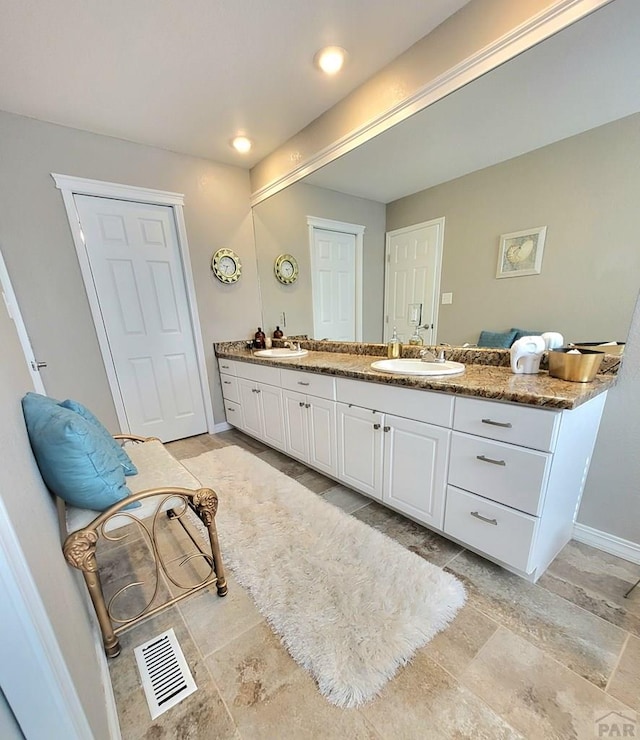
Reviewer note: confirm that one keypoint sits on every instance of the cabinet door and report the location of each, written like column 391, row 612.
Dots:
column 321, row 415
column 360, row 444
column 415, row 465
column 272, row 415
column 250, row 402
column 295, row 421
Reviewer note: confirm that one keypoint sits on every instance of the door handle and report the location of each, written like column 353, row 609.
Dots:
column 505, row 424
column 478, row 515
column 483, row 458
column 37, row 365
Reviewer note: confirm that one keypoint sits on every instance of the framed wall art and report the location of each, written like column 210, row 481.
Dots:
column 520, row 253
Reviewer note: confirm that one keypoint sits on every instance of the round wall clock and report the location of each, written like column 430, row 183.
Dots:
column 226, row 266
column 286, row 269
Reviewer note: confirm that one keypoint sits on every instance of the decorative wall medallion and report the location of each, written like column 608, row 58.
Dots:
column 286, row 269
column 226, row 266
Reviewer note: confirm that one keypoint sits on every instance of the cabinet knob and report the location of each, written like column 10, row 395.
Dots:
column 386, row 429
column 376, row 426
column 301, row 403
column 307, row 405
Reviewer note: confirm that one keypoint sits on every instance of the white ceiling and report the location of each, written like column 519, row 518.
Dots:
column 187, row 75
column 585, row 76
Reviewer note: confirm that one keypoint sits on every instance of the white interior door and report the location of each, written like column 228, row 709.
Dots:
column 414, row 259
column 333, row 266
column 137, row 272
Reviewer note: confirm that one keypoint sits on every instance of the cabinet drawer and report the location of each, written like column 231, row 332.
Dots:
column 493, row 529
column 514, row 476
column 233, row 412
column 313, row 384
column 259, row 373
column 227, row 366
column 520, row 425
column 432, row 408
column 229, row 387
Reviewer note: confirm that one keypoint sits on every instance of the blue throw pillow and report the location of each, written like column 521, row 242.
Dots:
column 496, row 339
column 74, row 461
column 525, row 333
column 125, row 460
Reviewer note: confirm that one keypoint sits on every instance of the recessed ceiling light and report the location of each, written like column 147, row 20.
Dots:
column 241, row 144
column 331, row 59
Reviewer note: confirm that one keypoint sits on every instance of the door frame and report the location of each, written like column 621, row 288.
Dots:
column 326, row 224
column 438, row 269
column 13, row 309
column 70, row 186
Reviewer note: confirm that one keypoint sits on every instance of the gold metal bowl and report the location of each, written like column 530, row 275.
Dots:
column 578, row 367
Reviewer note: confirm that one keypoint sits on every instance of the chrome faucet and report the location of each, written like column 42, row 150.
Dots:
column 293, row 345
column 426, row 355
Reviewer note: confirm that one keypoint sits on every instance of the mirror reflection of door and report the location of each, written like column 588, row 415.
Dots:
column 412, row 276
column 336, row 282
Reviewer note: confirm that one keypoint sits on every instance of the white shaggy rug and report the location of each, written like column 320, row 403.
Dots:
column 350, row 604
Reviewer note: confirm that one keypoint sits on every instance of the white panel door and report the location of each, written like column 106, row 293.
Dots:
column 136, row 268
column 413, row 276
column 333, row 265
column 360, row 448
column 322, row 434
column 415, row 468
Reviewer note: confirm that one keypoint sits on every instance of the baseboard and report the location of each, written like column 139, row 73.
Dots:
column 608, row 542
column 223, row 426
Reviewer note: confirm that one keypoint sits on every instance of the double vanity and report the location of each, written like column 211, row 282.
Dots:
column 492, row 460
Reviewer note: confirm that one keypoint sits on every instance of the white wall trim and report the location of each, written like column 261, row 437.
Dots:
column 607, row 542
column 31, row 662
column 70, row 186
column 557, row 16
column 84, row 186
column 314, row 222
column 223, row 426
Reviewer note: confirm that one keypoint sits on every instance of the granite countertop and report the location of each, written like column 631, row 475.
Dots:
column 481, row 378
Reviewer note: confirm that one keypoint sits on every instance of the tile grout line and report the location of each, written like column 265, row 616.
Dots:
column 617, row 663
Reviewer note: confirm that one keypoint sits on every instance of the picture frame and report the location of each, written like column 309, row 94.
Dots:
column 521, row 253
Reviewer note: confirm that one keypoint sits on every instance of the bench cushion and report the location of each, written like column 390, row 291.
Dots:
column 157, row 468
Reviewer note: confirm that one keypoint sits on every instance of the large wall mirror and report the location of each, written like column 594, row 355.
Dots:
column 551, row 138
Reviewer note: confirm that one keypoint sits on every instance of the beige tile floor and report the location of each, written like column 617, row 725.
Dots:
column 520, row 660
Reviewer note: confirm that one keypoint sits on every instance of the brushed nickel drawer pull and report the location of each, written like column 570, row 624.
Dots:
column 505, row 424
column 490, row 460
column 229, row 408
column 226, row 367
column 301, row 383
column 227, row 382
column 478, row 515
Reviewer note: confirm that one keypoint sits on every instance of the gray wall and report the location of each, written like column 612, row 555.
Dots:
column 9, row 728
column 611, row 500
column 36, row 243
column 32, row 514
column 281, row 226
column 584, row 189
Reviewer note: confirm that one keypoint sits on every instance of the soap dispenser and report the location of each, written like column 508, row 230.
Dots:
column 394, row 346
column 259, row 339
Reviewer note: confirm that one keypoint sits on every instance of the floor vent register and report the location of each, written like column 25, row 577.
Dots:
column 165, row 675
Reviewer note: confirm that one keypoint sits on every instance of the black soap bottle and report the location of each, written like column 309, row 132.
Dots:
column 277, row 334
column 259, row 339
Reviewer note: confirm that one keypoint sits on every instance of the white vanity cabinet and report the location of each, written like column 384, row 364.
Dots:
column 397, row 460
column 502, row 479
column 310, row 419
column 253, row 400
column 516, row 476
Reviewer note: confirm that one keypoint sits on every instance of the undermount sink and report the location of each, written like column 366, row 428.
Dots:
column 281, row 352
column 418, row 367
